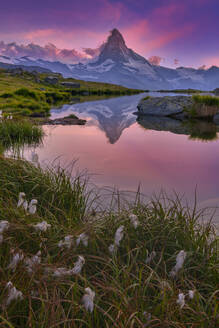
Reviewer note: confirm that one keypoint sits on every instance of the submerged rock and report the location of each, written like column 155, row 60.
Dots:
column 164, row 106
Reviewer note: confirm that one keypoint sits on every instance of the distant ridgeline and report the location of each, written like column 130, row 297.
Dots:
column 120, row 65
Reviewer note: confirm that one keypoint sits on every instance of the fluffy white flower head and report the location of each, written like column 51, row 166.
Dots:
column 119, row 235
column 181, row 256
column 83, row 237
column 13, row 293
column 134, row 220
column 33, row 206
column 4, row 225
column 191, row 294
column 42, row 226
column 181, row 300
column 67, row 242
column 33, row 261
column 17, row 257
column 88, row 299
column 78, row 265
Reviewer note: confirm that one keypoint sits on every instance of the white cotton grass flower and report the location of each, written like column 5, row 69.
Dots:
column 59, row 272
column 78, row 265
column 112, row 248
column 191, row 294
column 181, row 256
column 134, row 220
column 83, row 237
column 4, row 225
column 150, row 257
column 88, row 299
column 67, row 242
column 13, row 293
column 181, row 300
column 22, row 201
column 16, row 259
column 117, row 238
column 33, row 262
column 42, row 226
column 119, row 235
column 32, row 206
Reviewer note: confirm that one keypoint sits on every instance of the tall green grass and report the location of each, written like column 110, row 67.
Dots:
column 129, row 292
column 19, row 132
column 206, row 100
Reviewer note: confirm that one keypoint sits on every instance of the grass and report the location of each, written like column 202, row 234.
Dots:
column 129, row 292
column 206, row 100
column 27, row 94
column 203, row 107
column 16, row 132
column 146, row 98
column 189, row 91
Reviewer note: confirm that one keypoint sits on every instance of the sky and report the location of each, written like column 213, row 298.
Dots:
column 170, row 32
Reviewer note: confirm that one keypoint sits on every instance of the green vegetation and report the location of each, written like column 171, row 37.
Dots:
column 206, row 100
column 30, row 94
column 203, row 107
column 15, row 133
column 146, row 98
column 129, row 291
column 189, row 91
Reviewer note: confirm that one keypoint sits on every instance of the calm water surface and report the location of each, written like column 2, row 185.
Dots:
column 122, row 153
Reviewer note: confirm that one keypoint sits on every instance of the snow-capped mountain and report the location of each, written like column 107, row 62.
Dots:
column 121, row 65
column 118, row 64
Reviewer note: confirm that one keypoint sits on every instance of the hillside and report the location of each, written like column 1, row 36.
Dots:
column 33, row 94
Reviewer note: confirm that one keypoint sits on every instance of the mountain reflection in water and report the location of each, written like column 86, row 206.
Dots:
column 120, row 152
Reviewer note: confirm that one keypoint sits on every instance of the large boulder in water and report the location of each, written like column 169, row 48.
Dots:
column 164, row 106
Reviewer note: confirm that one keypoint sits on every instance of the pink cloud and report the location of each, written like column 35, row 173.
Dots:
column 167, row 37
column 155, row 60
column 211, row 61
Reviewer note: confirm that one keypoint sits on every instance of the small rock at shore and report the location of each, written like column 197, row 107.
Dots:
column 67, row 120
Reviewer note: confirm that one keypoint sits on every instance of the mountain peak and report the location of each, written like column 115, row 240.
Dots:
column 114, row 49
column 116, row 37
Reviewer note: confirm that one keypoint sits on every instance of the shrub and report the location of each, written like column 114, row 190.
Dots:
column 26, row 93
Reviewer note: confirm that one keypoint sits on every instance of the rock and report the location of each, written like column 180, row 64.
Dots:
column 216, row 91
column 51, row 80
column 70, row 85
column 67, row 120
column 164, row 106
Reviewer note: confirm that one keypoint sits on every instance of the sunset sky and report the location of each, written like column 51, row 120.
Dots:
column 186, row 30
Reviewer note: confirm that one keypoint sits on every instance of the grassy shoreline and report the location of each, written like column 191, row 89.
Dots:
column 29, row 94
column 130, row 290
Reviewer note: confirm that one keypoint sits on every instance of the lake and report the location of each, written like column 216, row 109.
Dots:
column 119, row 152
